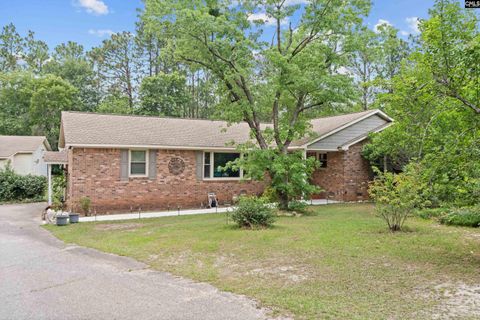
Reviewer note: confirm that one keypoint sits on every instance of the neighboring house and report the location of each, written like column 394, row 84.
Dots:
column 24, row 153
column 127, row 163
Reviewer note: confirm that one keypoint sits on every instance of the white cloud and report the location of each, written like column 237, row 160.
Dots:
column 97, row 7
column 101, row 32
column 379, row 23
column 404, row 33
column 269, row 21
column 413, row 23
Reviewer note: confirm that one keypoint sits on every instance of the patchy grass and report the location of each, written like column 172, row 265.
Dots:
column 340, row 262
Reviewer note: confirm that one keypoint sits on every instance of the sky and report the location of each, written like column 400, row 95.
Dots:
column 88, row 22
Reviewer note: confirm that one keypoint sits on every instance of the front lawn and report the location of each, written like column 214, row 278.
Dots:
column 340, row 263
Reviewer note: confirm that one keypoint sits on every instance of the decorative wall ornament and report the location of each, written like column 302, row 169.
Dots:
column 176, row 166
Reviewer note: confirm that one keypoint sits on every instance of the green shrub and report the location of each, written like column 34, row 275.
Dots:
column 15, row 187
column 428, row 213
column 59, row 183
column 397, row 195
column 298, row 206
column 269, row 195
column 253, row 212
column 466, row 217
column 85, row 205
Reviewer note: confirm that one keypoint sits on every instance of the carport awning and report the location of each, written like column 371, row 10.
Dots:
column 56, row 157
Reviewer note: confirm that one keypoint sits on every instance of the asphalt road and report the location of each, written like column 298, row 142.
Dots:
column 42, row 278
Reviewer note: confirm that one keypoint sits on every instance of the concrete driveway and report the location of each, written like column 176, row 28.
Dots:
column 42, row 278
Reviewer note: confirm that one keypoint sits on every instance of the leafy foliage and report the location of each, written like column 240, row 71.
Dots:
column 279, row 82
column 466, row 216
column 15, row 187
column 298, row 206
column 50, row 97
column 397, row 195
column 287, row 174
column 59, row 183
column 253, row 212
column 428, row 213
column 269, row 195
column 433, row 103
column 164, row 94
column 374, row 61
column 85, row 205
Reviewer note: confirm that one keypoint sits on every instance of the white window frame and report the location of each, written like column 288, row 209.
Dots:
column 212, row 160
column 130, row 174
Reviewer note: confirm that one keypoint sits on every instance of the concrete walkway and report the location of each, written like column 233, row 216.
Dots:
column 157, row 214
column 42, row 278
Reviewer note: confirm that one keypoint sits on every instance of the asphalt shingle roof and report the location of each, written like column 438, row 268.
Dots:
column 56, row 157
column 10, row 145
column 124, row 130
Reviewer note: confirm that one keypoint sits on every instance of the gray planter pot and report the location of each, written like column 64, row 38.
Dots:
column 62, row 221
column 73, row 217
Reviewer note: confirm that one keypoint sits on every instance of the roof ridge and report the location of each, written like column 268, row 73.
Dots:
column 142, row 116
column 199, row 119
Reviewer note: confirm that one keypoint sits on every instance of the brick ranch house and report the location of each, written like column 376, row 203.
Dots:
column 125, row 163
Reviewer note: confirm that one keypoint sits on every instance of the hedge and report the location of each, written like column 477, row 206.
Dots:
column 15, row 187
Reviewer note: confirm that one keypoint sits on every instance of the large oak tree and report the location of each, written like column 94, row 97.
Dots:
column 276, row 59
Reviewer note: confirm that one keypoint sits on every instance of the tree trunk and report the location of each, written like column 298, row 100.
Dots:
column 282, row 201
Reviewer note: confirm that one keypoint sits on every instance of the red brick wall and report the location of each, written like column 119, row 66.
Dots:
column 96, row 173
column 357, row 174
column 330, row 179
column 346, row 176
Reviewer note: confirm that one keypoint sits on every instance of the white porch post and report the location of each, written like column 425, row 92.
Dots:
column 49, row 184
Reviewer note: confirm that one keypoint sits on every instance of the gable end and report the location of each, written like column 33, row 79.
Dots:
column 351, row 133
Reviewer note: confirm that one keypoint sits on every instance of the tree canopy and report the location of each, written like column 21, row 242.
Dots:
column 434, row 101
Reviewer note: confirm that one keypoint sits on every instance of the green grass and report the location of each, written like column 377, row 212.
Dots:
column 341, row 262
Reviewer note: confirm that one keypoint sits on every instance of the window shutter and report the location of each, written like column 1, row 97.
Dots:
column 152, row 164
column 199, row 164
column 124, row 165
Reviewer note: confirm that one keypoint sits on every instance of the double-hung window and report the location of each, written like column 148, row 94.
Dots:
column 138, row 163
column 214, row 163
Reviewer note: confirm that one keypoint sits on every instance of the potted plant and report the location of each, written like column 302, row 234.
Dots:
column 85, row 205
column 61, row 218
column 74, row 217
